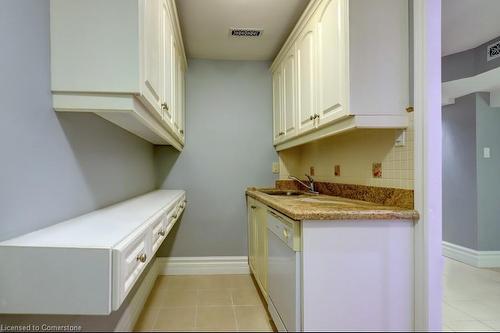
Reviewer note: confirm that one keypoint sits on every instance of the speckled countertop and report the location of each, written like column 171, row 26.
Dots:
column 325, row 207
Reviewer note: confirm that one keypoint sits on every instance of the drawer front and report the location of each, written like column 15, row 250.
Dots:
column 130, row 260
column 159, row 231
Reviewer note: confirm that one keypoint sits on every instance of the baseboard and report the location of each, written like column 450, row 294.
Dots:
column 136, row 305
column 203, row 265
column 481, row 259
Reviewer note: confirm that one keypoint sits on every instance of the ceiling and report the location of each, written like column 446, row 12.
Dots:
column 205, row 27
column 468, row 23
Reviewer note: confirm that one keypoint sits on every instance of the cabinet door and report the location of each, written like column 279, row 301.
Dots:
column 167, row 77
column 331, row 61
column 179, row 98
column 305, row 54
column 277, row 107
column 289, row 91
column 252, row 236
column 152, row 54
column 261, row 221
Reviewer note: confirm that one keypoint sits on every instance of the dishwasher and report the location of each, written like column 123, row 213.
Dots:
column 284, row 272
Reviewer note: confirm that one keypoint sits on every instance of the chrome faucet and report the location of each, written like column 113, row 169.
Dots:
column 309, row 187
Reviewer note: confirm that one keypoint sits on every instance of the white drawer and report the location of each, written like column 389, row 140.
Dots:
column 130, row 258
column 159, row 232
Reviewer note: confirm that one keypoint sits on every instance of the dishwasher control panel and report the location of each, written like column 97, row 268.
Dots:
column 286, row 230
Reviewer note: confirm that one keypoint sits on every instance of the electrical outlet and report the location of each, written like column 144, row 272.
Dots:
column 276, row 167
column 486, row 152
column 311, row 171
column 401, row 139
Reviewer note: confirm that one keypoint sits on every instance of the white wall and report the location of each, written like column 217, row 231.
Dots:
column 228, row 148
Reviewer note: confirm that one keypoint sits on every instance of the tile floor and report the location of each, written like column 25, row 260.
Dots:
column 471, row 298
column 204, row 303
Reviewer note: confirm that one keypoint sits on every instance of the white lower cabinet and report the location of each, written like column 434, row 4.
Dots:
column 87, row 265
column 351, row 275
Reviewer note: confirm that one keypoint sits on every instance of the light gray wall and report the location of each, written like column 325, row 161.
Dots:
column 54, row 166
column 468, row 63
column 488, row 174
column 460, row 173
column 228, row 148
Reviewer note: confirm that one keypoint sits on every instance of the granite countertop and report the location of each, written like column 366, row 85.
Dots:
column 326, row 207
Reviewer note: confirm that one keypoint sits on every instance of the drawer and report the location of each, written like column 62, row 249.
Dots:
column 159, row 232
column 130, row 259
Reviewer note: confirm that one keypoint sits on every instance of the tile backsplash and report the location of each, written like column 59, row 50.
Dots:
column 355, row 153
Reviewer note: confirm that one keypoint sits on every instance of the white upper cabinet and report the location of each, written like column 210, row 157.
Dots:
column 351, row 70
column 289, row 116
column 120, row 59
column 306, row 78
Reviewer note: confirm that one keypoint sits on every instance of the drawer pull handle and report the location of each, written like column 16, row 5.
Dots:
column 253, row 207
column 161, row 233
column 142, row 257
column 174, row 216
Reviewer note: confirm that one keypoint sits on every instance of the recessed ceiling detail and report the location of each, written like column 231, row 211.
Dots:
column 207, row 24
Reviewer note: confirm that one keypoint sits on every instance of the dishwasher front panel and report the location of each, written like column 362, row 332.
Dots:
column 284, row 283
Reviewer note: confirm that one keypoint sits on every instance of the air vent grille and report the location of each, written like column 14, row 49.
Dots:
column 493, row 51
column 246, row 32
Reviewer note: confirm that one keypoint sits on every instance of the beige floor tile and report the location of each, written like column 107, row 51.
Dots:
column 181, row 297
column 252, row 318
column 468, row 326
column 212, row 281
column 476, row 309
column 220, row 318
column 452, row 314
column 208, row 297
column 246, row 297
column 176, row 319
column 156, row 298
column 146, row 319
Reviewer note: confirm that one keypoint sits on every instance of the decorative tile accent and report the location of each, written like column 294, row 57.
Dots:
column 377, row 170
column 337, row 171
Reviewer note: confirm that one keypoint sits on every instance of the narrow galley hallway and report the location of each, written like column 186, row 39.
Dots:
column 204, row 303
column 471, row 300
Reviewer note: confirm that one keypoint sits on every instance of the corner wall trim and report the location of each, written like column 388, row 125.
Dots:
column 203, row 265
column 481, row 259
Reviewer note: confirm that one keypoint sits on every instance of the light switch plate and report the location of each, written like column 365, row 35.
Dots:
column 276, row 167
column 486, row 152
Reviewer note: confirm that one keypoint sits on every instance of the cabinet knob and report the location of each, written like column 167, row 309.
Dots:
column 281, row 133
column 312, row 117
column 161, row 233
column 181, row 131
column 174, row 216
column 142, row 257
column 164, row 106
column 253, row 207
column 316, row 115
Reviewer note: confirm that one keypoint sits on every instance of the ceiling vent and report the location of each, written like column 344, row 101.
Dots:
column 246, row 32
column 493, row 51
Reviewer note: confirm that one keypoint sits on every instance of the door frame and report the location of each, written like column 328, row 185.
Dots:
column 428, row 164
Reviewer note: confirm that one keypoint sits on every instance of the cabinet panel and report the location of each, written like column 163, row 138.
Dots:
column 289, row 109
column 152, row 54
column 261, row 220
column 331, row 63
column 305, row 53
column 252, row 236
column 277, row 107
column 167, row 77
